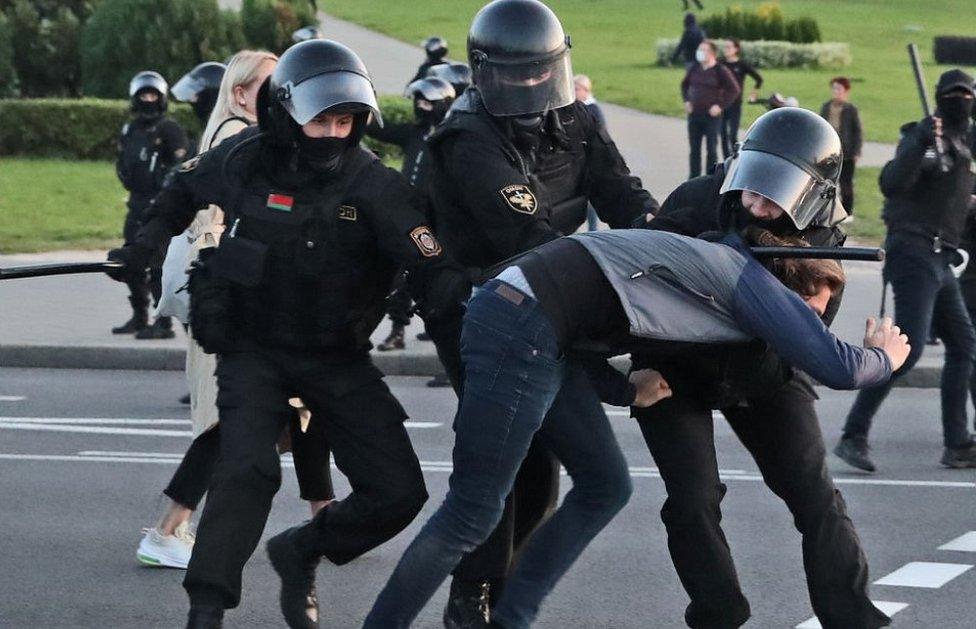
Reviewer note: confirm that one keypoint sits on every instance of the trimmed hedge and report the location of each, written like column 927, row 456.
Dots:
column 88, row 128
column 767, row 22
column 775, row 54
column 952, row 50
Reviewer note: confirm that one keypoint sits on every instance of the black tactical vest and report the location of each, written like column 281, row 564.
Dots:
column 140, row 152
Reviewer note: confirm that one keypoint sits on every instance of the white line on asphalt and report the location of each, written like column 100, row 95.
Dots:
column 113, row 421
column 98, row 430
column 924, row 574
column 80, row 425
column 964, row 543
column 887, row 607
column 12, row 398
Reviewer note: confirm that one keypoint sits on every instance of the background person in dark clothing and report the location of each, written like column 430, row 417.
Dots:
column 844, row 118
column 707, row 89
column 769, row 406
column 149, row 145
column 436, row 49
column 732, row 115
column 925, row 211
column 691, row 37
column 688, row 3
column 515, row 164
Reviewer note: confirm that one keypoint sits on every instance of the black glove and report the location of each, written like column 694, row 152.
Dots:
column 447, row 296
column 134, row 258
column 925, row 131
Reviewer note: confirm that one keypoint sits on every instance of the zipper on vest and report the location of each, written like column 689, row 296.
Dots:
column 668, row 277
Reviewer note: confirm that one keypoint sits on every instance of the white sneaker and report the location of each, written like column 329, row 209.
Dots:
column 170, row 551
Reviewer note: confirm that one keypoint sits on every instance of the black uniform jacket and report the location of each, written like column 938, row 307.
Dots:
column 147, row 150
column 412, row 138
column 722, row 376
column 311, row 257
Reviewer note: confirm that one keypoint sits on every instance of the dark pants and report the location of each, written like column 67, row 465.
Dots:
column 513, row 376
column 703, row 126
column 141, row 286
column 927, row 297
column 782, row 434
column 363, row 423
column 310, row 452
column 731, row 116
column 398, row 304
column 847, row 185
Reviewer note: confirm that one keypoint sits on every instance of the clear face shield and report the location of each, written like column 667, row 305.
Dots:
column 516, row 89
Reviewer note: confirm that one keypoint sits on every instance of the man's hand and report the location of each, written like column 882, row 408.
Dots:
column 714, row 111
column 888, row 338
column 687, row 107
column 134, row 258
column 651, row 387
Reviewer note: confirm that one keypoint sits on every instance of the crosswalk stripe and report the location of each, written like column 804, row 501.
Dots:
column 888, row 607
column 88, row 425
column 924, row 574
column 964, row 543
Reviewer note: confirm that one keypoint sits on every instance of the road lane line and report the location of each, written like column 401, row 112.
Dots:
column 12, row 398
column 888, row 607
column 964, row 543
column 113, row 421
column 924, row 574
column 98, row 430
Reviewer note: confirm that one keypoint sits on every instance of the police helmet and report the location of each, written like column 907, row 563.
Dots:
column 519, row 56
column 148, row 80
column 457, row 74
column 793, row 157
column 435, row 47
column 206, row 76
column 306, row 33
column 432, row 97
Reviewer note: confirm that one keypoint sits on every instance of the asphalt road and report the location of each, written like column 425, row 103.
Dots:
column 83, row 474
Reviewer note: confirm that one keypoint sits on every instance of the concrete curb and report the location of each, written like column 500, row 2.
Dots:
column 173, row 359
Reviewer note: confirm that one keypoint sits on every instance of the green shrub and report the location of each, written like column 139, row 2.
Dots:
column 88, row 128
column 124, row 37
column 268, row 24
column 776, row 54
column 8, row 75
column 766, row 22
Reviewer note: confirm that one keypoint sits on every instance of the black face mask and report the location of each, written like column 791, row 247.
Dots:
column 321, row 155
column 955, row 111
column 526, row 131
column 204, row 104
column 431, row 116
column 146, row 110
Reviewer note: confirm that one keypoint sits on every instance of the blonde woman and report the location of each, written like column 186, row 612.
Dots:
column 169, row 543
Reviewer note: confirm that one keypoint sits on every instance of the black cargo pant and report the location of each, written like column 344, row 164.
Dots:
column 783, row 435
column 363, row 423
column 141, row 286
column 398, row 304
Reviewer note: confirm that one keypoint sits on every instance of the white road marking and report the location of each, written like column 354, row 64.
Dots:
column 98, row 430
column 964, row 543
column 90, row 425
column 924, row 574
column 12, row 398
column 109, row 421
column 887, row 607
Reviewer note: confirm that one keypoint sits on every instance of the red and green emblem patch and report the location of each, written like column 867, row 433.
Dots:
column 280, row 202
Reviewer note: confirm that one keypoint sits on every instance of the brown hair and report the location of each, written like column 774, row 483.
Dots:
column 804, row 276
column 843, row 81
column 735, row 42
column 711, row 44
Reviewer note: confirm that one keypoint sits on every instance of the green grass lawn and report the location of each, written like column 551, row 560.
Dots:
column 613, row 42
column 49, row 204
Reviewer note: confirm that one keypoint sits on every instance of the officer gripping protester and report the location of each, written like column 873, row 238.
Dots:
column 316, row 230
column 149, row 145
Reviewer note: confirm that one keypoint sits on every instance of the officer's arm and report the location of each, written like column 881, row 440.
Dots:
column 690, row 209
column 616, row 194
column 766, row 309
column 396, row 134
column 611, row 386
column 503, row 202
column 901, row 173
column 120, row 169
column 175, row 144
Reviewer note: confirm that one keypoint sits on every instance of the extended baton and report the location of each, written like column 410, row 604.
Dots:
column 70, row 268
column 923, row 95
column 869, row 254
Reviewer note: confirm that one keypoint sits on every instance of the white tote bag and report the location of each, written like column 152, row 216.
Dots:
column 175, row 299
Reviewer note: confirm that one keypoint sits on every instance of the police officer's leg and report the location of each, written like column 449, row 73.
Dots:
column 915, row 281
column 952, row 324
column 577, row 430
column 138, row 288
column 248, row 474
column 679, row 435
column 783, row 435
column 536, row 491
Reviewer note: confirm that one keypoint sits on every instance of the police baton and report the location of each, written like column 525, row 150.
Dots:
column 868, row 254
column 923, row 96
column 70, row 268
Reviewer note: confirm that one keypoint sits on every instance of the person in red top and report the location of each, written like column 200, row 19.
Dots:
column 707, row 89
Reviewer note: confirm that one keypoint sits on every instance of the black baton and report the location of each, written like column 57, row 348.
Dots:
column 923, row 96
column 70, row 268
column 869, row 254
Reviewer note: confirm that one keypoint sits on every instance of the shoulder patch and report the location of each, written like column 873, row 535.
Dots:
column 189, row 164
column 347, row 213
column 520, row 198
column 425, row 241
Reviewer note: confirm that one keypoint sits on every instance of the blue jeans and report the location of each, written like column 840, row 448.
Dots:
column 927, row 297
column 513, row 376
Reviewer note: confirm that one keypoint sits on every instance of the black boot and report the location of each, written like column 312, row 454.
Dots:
column 298, row 600
column 394, row 340
column 467, row 605
column 139, row 320
column 162, row 328
column 202, row 617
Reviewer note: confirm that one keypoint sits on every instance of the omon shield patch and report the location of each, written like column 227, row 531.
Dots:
column 519, row 198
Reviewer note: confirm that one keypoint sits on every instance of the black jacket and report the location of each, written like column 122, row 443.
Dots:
column 310, row 258
column 412, row 138
column 920, row 198
column 851, row 137
column 147, row 150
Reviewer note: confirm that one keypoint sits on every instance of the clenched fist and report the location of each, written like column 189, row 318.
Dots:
column 651, row 387
column 887, row 337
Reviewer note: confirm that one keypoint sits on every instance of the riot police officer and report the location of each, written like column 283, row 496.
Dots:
column 928, row 189
column 514, row 165
column 784, row 178
column 436, row 49
column 199, row 87
column 149, row 145
column 457, row 74
column 316, row 230
column 431, row 97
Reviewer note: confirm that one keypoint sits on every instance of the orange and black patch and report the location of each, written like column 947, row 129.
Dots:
column 425, row 241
